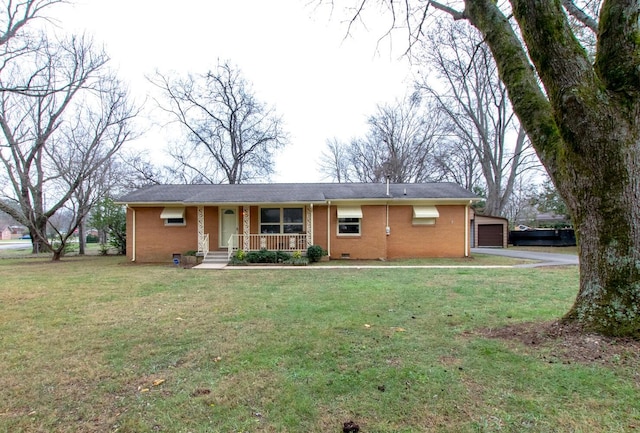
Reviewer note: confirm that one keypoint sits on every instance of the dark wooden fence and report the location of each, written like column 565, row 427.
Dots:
column 543, row 237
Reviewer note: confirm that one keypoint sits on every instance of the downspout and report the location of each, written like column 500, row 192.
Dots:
column 466, row 230
column 133, row 234
column 387, row 232
column 386, row 227
column 329, row 228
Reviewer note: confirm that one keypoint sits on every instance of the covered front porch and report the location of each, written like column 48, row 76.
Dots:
column 289, row 242
column 286, row 229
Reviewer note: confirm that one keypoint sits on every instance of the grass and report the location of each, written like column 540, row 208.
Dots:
column 97, row 344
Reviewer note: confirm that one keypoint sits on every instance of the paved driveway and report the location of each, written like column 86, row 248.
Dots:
column 542, row 259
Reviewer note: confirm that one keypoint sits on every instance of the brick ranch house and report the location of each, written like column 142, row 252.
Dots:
column 349, row 220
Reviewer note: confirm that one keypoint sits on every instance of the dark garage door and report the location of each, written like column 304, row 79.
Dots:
column 490, row 235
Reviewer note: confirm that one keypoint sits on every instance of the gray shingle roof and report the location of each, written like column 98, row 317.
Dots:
column 292, row 193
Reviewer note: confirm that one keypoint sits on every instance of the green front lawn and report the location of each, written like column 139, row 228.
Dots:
column 98, row 344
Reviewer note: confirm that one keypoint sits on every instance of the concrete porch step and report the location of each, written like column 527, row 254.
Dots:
column 216, row 257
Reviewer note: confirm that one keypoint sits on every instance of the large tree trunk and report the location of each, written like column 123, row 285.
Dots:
column 38, row 237
column 81, row 239
column 603, row 195
column 585, row 127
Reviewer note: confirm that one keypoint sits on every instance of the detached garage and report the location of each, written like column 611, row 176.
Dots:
column 489, row 231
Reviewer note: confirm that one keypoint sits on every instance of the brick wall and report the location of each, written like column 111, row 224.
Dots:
column 443, row 239
column 156, row 242
column 446, row 238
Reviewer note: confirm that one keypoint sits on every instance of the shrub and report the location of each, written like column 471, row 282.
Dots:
column 190, row 253
column 315, row 253
column 92, row 239
column 262, row 256
column 266, row 256
column 282, row 257
column 238, row 258
column 104, row 249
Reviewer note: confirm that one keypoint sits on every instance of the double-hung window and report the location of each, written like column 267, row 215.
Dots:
column 281, row 220
column 349, row 220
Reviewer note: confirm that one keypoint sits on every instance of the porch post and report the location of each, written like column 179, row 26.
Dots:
column 200, row 228
column 309, row 229
column 246, row 227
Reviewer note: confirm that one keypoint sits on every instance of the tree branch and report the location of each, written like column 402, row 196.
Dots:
column 580, row 15
column 618, row 56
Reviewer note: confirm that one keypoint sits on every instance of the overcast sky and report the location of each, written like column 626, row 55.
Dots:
column 297, row 57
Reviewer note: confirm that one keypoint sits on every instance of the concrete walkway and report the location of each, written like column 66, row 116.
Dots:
column 210, row 266
column 538, row 258
column 541, row 258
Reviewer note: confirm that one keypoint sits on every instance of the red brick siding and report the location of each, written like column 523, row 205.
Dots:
column 156, row 242
column 443, row 239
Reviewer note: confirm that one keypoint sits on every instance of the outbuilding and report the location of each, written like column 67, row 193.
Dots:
column 490, row 231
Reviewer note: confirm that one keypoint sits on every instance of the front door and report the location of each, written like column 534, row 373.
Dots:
column 228, row 226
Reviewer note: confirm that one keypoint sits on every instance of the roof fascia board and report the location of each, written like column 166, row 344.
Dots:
column 364, row 201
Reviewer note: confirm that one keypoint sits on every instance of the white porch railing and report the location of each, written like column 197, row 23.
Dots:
column 203, row 246
column 232, row 246
column 271, row 242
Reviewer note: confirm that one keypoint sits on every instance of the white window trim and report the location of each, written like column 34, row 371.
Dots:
column 173, row 213
column 349, row 212
column 423, row 221
column 281, row 223
column 350, row 234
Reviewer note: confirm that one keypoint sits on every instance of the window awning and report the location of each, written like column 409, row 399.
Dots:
column 172, row 212
column 425, row 212
column 349, row 212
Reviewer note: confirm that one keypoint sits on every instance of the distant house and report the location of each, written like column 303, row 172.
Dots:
column 12, row 232
column 350, row 220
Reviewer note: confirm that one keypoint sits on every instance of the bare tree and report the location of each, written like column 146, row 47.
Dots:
column 135, row 170
column 17, row 14
column 228, row 129
column 18, row 41
column 457, row 161
column 474, row 100
column 582, row 114
column 55, row 141
column 334, row 161
column 400, row 146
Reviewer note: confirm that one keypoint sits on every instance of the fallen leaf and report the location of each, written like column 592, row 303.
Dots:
column 158, row 382
column 366, row 325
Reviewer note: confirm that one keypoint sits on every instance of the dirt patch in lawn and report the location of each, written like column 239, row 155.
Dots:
column 568, row 343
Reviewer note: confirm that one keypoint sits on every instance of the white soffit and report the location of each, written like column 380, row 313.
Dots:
column 172, row 212
column 349, row 212
column 425, row 212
